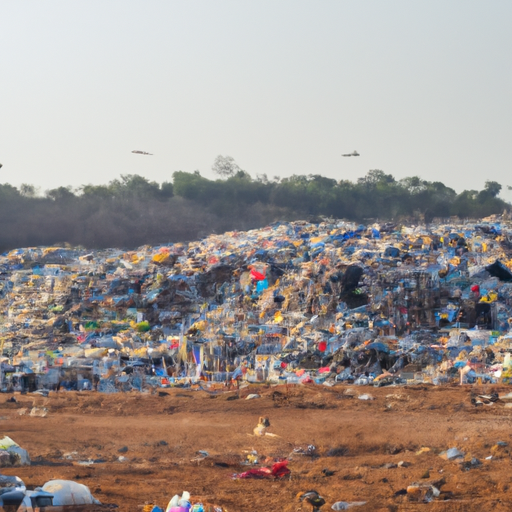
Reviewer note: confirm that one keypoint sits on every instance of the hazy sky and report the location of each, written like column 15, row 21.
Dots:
column 283, row 86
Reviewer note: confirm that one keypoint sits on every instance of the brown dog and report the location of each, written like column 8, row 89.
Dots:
column 261, row 429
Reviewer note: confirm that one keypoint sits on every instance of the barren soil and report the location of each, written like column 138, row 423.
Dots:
column 359, row 441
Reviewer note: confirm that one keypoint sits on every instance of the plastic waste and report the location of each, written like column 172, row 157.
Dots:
column 345, row 505
column 425, row 492
column 179, row 503
column 451, row 454
column 265, row 283
column 67, row 492
column 15, row 450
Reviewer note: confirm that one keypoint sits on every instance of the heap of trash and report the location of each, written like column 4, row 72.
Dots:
column 62, row 494
column 294, row 302
column 11, row 454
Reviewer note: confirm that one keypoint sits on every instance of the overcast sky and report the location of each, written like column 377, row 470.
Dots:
column 283, row 86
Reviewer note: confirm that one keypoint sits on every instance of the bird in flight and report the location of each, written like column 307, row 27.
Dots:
column 354, row 153
column 141, row 152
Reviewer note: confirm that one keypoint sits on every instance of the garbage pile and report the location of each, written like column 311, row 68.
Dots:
column 14, row 495
column 293, row 302
column 182, row 504
column 11, row 454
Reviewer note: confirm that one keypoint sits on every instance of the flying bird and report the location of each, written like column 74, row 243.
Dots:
column 314, row 499
column 354, row 153
column 141, row 152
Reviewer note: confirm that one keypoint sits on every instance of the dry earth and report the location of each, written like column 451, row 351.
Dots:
column 360, row 441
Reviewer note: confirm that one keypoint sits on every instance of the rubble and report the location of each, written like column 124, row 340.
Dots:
column 296, row 303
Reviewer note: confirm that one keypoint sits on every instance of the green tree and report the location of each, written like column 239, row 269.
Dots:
column 493, row 187
column 27, row 190
column 225, row 166
column 60, row 194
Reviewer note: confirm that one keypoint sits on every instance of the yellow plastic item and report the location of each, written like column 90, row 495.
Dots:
column 278, row 317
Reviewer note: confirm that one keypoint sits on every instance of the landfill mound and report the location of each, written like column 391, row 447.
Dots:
column 366, row 364
column 401, row 448
column 293, row 302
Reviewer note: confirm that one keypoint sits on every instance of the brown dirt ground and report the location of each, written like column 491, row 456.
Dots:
column 353, row 438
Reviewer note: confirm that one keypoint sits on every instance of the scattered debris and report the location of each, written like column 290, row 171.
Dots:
column 452, row 454
column 278, row 470
column 313, row 498
column 425, row 492
column 11, row 454
column 346, row 505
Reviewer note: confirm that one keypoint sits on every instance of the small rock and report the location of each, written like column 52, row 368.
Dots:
column 124, row 449
column 470, row 464
column 394, row 449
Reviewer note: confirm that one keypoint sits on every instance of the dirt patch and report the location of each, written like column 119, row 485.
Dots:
column 346, row 449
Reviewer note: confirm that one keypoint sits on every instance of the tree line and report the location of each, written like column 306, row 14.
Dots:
column 133, row 211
